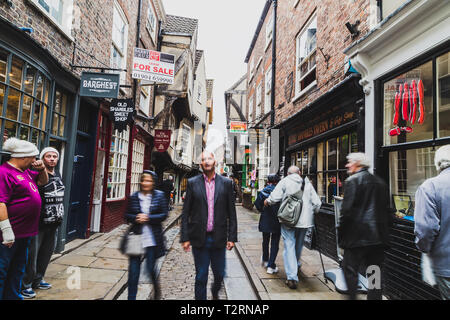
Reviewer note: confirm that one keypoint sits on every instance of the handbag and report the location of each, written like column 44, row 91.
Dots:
column 131, row 244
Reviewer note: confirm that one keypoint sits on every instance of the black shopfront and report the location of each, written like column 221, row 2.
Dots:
column 405, row 142
column 317, row 140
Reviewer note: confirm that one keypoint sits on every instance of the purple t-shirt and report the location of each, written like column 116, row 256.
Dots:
column 18, row 190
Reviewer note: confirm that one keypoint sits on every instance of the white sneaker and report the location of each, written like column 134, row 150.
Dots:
column 272, row 271
column 264, row 263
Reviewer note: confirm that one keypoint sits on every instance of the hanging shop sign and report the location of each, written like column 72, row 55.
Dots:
column 238, row 127
column 153, row 66
column 100, row 85
column 121, row 112
column 330, row 119
column 162, row 140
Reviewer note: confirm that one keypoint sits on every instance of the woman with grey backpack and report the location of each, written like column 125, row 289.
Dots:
column 293, row 233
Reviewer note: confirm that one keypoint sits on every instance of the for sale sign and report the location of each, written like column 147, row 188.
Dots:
column 162, row 140
column 238, row 127
column 153, row 66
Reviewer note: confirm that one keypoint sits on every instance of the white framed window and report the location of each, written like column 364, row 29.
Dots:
column 252, row 67
column 151, row 23
column 268, row 90
column 60, row 13
column 259, row 94
column 137, row 165
column 144, row 102
column 118, row 160
column 269, row 31
column 185, row 141
column 199, row 93
column 295, row 3
column 250, row 109
column 119, row 41
column 306, row 56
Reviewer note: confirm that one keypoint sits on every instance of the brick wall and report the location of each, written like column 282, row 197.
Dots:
column 259, row 50
column 332, row 37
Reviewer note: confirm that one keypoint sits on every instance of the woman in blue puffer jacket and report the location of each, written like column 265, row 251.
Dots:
column 269, row 225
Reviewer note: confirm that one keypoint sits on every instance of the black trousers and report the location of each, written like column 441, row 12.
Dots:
column 366, row 259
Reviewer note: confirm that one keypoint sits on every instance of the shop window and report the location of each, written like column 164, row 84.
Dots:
column 3, row 65
column 306, row 56
column 443, row 94
column 408, row 106
column 2, row 97
column 408, row 170
column 15, row 77
column 324, row 165
column 118, row 159
column 137, row 166
column 59, row 113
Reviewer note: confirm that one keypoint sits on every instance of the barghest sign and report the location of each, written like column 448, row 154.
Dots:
column 99, row 85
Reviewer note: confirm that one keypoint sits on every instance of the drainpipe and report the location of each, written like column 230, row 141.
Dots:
column 138, row 36
column 274, row 60
column 158, row 48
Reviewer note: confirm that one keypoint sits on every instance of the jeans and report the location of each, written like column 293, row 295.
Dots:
column 134, row 272
column 203, row 257
column 39, row 254
column 293, row 245
column 444, row 286
column 274, row 240
column 361, row 258
column 12, row 268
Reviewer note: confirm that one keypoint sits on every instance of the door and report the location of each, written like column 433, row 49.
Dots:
column 79, row 199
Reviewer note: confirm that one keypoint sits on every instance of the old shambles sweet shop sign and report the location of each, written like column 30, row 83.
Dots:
column 121, row 112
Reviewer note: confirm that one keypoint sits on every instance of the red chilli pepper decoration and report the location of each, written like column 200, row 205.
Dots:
column 398, row 98
column 405, row 102
column 410, row 111
column 421, row 102
column 414, row 98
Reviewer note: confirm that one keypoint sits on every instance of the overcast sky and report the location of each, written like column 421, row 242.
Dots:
column 226, row 29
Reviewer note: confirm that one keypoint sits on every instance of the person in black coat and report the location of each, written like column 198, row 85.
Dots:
column 146, row 210
column 209, row 224
column 364, row 226
column 269, row 225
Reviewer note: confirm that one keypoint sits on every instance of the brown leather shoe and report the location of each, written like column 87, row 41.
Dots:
column 292, row 284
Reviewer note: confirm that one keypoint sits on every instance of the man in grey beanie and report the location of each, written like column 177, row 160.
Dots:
column 432, row 220
column 43, row 245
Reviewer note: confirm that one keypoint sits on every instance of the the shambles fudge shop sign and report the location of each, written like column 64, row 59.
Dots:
column 121, row 112
column 99, row 85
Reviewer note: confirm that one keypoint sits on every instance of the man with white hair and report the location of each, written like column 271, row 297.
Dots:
column 364, row 225
column 293, row 237
column 432, row 220
column 43, row 244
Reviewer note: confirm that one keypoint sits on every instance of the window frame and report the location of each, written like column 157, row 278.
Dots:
column 148, row 23
column 115, row 46
column 66, row 21
column 137, row 164
column 298, row 64
column 120, row 158
column 269, row 32
column 268, row 90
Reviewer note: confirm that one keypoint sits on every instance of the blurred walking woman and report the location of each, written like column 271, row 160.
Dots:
column 20, row 207
column 147, row 208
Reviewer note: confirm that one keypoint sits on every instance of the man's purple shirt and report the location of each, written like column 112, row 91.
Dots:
column 20, row 194
column 210, row 189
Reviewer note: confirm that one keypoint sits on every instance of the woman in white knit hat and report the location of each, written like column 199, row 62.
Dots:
column 20, row 206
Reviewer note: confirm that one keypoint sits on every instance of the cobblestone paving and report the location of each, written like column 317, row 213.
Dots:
column 177, row 276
